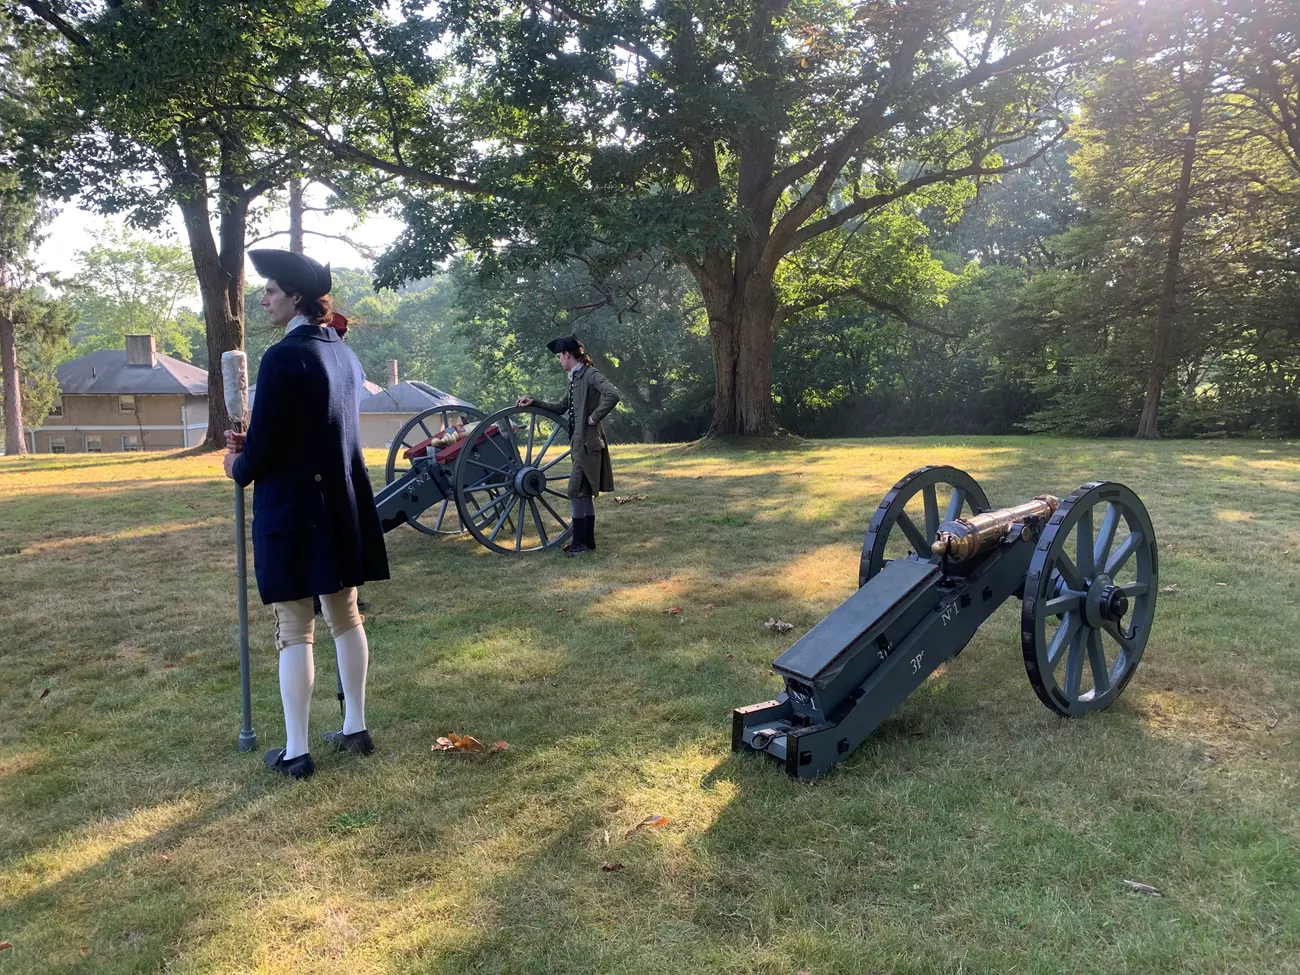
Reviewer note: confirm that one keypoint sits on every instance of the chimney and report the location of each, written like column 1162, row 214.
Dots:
column 140, row 351
column 392, row 373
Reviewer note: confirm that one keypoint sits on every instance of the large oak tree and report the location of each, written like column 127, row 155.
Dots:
column 735, row 137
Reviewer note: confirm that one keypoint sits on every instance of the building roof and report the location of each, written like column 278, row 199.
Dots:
column 409, row 397
column 105, row 373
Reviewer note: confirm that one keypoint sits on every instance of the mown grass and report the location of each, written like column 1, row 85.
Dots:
column 975, row 832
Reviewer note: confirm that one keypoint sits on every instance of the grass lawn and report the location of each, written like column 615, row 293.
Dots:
column 974, row 832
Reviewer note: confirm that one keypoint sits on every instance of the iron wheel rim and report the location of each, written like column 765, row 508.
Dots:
column 442, row 518
column 963, row 494
column 1079, row 657
column 505, row 485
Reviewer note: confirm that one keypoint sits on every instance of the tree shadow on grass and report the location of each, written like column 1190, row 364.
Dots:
column 970, row 812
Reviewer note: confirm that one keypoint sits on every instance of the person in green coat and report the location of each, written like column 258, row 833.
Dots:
column 588, row 400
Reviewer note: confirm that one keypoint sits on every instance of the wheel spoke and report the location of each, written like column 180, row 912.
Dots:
column 442, row 513
column 1106, row 535
column 556, row 493
column 519, row 529
column 1070, row 574
column 1060, row 638
column 1074, row 666
column 955, row 501
column 1065, row 601
column 931, row 519
column 1097, row 660
column 919, row 544
column 483, row 482
column 1123, row 639
column 507, row 431
column 1135, row 589
column 546, row 446
column 556, row 461
column 505, row 513
column 564, row 525
column 1083, row 545
column 1124, row 553
column 491, row 504
column 532, row 425
column 537, row 520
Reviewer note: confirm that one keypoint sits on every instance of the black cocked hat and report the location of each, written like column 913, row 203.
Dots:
column 294, row 273
column 566, row 343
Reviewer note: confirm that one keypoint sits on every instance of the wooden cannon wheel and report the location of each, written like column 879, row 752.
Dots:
column 918, row 498
column 510, row 481
column 441, row 518
column 1090, row 599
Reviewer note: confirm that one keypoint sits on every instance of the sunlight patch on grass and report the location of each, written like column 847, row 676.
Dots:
column 91, row 845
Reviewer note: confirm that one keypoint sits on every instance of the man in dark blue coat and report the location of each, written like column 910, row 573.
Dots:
column 315, row 528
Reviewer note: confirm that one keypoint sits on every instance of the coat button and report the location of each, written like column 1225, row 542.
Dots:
column 317, row 478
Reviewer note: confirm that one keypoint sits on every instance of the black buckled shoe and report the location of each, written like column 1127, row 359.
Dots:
column 300, row 767
column 359, row 741
column 577, row 548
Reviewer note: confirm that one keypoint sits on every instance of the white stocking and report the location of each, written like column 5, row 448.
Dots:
column 297, row 677
column 354, row 657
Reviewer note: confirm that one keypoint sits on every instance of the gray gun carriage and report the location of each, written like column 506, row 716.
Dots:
column 1084, row 568
column 503, row 481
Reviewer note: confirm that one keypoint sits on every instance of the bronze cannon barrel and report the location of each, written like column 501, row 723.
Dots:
column 964, row 537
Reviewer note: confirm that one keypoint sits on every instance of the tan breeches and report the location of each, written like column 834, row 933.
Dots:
column 295, row 621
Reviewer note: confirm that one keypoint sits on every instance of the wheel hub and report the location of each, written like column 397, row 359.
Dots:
column 1113, row 604
column 530, row 482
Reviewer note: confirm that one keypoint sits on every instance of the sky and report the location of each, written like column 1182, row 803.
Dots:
column 74, row 228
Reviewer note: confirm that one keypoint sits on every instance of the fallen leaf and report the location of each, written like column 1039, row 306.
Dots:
column 778, row 626
column 655, row 821
column 607, row 837
column 498, row 746
column 1222, row 585
column 710, row 606
column 85, row 948
column 559, row 611
column 630, row 497
column 1170, row 588
column 1141, row 888
column 611, row 867
column 456, row 743
column 138, row 592
column 44, row 694
column 672, row 610
column 4, row 945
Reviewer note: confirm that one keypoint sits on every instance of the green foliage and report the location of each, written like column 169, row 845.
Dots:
column 42, row 326
column 129, row 284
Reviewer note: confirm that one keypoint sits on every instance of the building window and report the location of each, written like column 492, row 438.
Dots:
column 130, row 441
column 56, row 408
column 58, row 445
column 126, row 404
column 94, row 445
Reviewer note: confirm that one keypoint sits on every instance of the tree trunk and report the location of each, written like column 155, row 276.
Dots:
column 1162, row 336
column 221, row 287
column 295, row 215
column 742, row 327
column 15, row 439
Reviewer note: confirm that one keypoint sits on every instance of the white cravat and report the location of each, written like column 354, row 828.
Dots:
column 298, row 320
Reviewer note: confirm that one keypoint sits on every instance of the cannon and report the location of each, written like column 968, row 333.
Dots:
column 1085, row 570
column 502, row 477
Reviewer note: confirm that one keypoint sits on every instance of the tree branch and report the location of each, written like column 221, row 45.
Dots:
column 859, row 207
column 45, row 13
column 877, row 303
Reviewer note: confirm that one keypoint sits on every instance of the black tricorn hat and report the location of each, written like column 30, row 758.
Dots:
column 566, row 343
column 294, row 273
